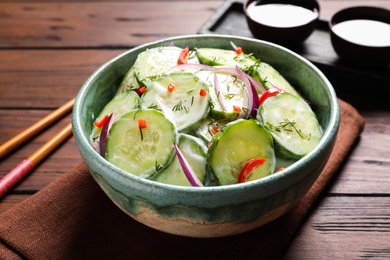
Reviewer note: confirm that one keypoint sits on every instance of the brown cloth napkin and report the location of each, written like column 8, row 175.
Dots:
column 73, row 219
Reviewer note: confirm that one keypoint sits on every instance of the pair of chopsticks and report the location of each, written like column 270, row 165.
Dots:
column 28, row 164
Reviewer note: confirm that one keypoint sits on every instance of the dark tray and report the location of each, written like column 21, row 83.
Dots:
column 229, row 19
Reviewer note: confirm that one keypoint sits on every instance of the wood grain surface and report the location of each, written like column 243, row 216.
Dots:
column 48, row 49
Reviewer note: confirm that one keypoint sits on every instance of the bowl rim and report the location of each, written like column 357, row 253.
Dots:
column 357, row 12
column 325, row 141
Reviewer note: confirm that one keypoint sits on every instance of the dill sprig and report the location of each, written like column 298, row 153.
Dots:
column 180, row 106
column 288, row 126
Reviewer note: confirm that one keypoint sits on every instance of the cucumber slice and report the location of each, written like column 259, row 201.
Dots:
column 231, row 93
column 129, row 82
column 209, row 128
column 269, row 77
column 185, row 101
column 222, row 57
column 292, row 123
column 155, row 62
column 118, row 106
column 142, row 152
column 239, row 142
column 195, row 152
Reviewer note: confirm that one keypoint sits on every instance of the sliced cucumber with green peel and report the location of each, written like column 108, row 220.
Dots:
column 292, row 123
column 222, row 57
column 269, row 77
column 129, row 82
column 209, row 128
column 195, row 152
column 184, row 94
column 118, row 106
column 155, row 62
column 239, row 142
column 141, row 151
column 230, row 93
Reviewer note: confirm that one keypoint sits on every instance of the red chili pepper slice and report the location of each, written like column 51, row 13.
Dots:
column 171, row 87
column 183, row 57
column 100, row 124
column 249, row 167
column 142, row 90
column 269, row 93
column 141, row 123
column 237, row 109
column 202, row 92
column 238, row 50
column 214, row 131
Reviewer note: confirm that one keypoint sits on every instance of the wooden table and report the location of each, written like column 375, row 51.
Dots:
column 47, row 51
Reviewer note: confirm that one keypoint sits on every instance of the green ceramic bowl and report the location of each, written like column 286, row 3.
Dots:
column 211, row 211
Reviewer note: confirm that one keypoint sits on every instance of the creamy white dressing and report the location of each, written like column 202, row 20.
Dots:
column 364, row 32
column 280, row 15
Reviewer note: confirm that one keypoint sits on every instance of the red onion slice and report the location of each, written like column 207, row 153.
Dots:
column 217, row 90
column 191, row 176
column 251, row 102
column 103, row 136
column 257, row 85
column 166, row 110
column 233, row 45
column 234, row 72
column 255, row 99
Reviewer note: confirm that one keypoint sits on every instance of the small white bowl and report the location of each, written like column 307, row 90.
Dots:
column 285, row 22
column 366, row 39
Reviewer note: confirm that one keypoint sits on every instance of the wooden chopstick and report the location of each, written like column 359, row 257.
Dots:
column 36, row 128
column 23, row 168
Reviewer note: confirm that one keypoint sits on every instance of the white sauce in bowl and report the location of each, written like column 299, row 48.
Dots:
column 280, row 15
column 364, row 32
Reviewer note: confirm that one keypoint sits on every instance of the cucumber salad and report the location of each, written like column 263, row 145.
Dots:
column 204, row 117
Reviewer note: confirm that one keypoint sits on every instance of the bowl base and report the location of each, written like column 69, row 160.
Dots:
column 199, row 229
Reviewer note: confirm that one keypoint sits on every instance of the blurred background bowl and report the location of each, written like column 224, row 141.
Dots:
column 367, row 42
column 289, row 23
column 208, row 211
